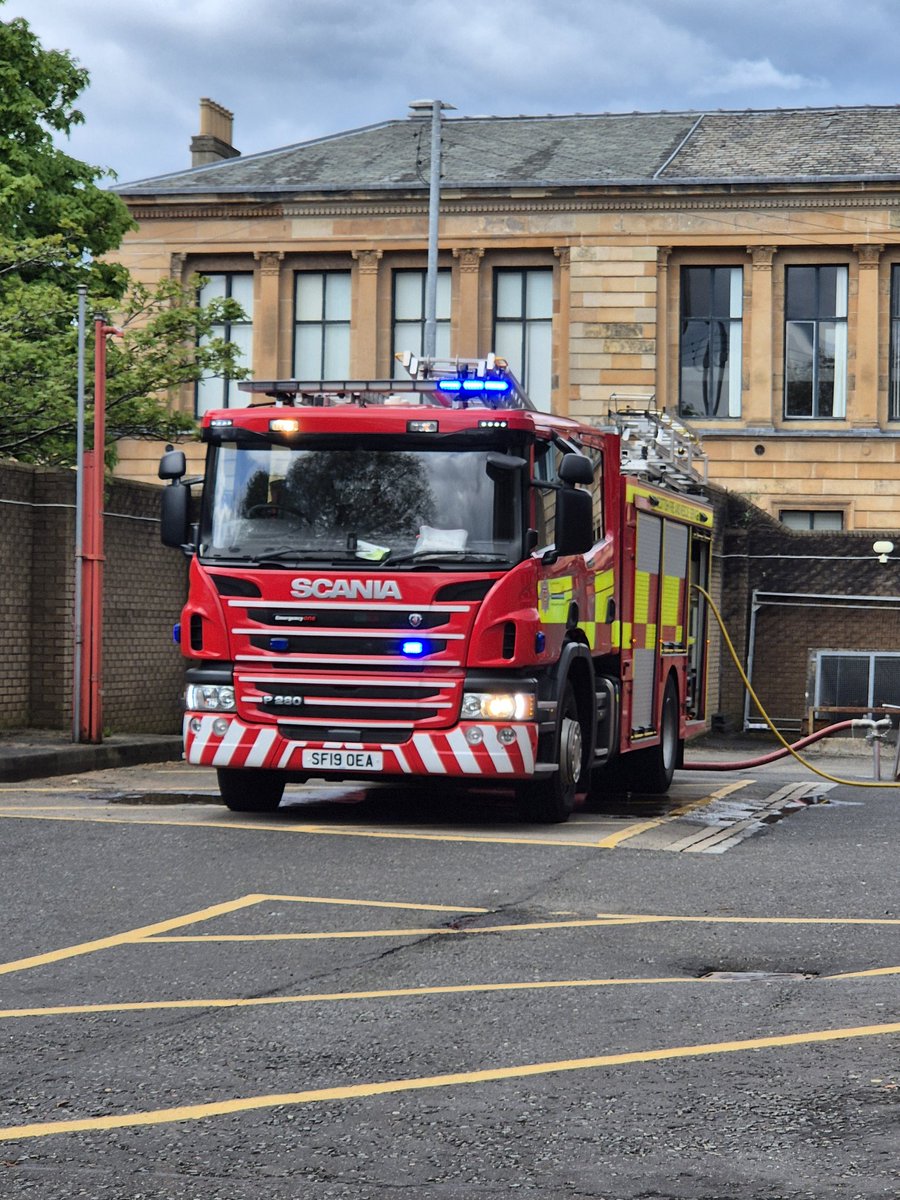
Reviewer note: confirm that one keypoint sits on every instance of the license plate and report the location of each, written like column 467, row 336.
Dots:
column 343, row 760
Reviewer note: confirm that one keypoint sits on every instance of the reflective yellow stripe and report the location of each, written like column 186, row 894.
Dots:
column 554, row 597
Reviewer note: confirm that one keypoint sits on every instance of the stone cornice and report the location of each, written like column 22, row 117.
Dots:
column 183, row 209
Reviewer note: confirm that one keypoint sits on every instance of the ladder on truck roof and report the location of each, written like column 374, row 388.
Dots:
column 656, row 446
column 447, row 383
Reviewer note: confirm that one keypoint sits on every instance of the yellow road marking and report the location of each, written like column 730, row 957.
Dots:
column 199, row 1112
column 452, row 908
column 147, row 932
column 707, row 920
column 332, row 831
column 865, row 974
column 74, row 1010
column 45, row 813
column 71, row 1010
column 130, row 935
column 623, row 835
column 438, row 931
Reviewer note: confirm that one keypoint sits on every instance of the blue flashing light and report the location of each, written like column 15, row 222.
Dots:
column 278, row 643
column 497, row 386
column 414, row 648
column 540, row 641
column 176, row 633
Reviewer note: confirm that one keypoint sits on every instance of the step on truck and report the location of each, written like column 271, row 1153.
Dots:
column 429, row 579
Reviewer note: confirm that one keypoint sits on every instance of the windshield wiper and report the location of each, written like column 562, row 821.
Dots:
column 293, row 556
column 449, row 556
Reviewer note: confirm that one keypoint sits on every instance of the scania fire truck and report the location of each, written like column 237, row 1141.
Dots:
column 429, row 579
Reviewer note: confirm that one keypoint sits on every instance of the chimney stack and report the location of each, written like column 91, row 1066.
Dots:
column 213, row 142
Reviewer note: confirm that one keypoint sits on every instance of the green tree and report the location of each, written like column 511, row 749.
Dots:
column 56, row 224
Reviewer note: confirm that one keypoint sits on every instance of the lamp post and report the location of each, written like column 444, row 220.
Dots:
column 422, row 108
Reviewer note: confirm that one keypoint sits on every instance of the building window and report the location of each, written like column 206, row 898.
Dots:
column 711, row 341
column 408, row 315
column 215, row 391
column 811, row 518
column 322, row 325
column 523, row 327
column 894, row 402
column 856, row 679
column 815, row 341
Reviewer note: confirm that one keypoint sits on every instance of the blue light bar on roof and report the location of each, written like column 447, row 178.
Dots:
column 495, row 386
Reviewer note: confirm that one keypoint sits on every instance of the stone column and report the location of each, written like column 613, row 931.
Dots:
column 759, row 405
column 176, row 267
column 865, row 394
column 464, row 330
column 666, row 386
column 265, row 313
column 364, row 319
column 562, row 339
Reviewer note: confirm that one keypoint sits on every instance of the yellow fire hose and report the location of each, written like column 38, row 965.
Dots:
column 788, row 748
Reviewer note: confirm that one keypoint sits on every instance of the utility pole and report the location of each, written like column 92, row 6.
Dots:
column 421, row 108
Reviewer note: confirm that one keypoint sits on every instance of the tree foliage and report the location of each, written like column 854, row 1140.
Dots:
column 56, row 224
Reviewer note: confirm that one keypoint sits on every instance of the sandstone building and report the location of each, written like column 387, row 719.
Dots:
column 740, row 270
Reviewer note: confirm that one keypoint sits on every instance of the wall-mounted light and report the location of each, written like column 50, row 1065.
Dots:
column 883, row 549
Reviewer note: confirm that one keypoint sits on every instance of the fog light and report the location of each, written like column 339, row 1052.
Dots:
column 475, row 735
column 506, row 735
column 220, row 726
column 196, row 724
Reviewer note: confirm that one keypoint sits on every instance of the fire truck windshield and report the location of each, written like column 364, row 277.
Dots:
column 343, row 503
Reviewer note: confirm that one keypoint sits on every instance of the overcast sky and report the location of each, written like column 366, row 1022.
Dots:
column 291, row 70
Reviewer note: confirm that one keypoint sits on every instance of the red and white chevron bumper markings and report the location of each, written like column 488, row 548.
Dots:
column 447, row 754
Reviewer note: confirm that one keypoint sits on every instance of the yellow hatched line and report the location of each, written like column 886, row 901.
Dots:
column 622, row 835
column 426, row 931
column 68, row 1010
column 204, row 1111
column 74, row 1010
column 148, row 932
column 331, row 831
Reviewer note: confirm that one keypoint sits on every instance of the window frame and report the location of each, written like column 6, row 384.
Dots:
column 734, row 338
column 230, row 396
column 442, row 350
column 521, row 366
column 323, row 323
column 815, row 322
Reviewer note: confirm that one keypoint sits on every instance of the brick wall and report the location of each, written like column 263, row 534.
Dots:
column 144, row 589
column 825, row 591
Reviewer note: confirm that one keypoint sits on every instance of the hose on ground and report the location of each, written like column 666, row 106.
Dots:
column 786, row 747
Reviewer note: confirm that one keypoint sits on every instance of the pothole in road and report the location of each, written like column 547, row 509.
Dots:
column 755, row 976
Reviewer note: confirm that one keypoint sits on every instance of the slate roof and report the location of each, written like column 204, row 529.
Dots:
column 608, row 149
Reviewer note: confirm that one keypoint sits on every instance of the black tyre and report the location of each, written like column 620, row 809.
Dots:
column 248, row 790
column 551, row 801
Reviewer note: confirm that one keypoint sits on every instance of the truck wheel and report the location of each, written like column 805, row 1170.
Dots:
column 550, row 801
column 652, row 770
column 250, row 790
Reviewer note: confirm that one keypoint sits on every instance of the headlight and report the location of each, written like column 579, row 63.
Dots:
column 498, row 706
column 209, row 697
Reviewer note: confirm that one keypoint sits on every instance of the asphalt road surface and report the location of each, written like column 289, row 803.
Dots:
column 383, row 993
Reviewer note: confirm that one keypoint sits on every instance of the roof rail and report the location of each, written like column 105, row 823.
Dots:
column 655, row 445
column 447, row 383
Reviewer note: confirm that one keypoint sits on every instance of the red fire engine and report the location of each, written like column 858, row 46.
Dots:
column 401, row 579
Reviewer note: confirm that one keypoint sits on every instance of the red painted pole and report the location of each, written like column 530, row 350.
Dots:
column 91, row 683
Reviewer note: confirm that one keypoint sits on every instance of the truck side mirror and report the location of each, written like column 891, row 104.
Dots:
column 576, row 468
column 173, row 464
column 574, row 526
column 174, row 512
